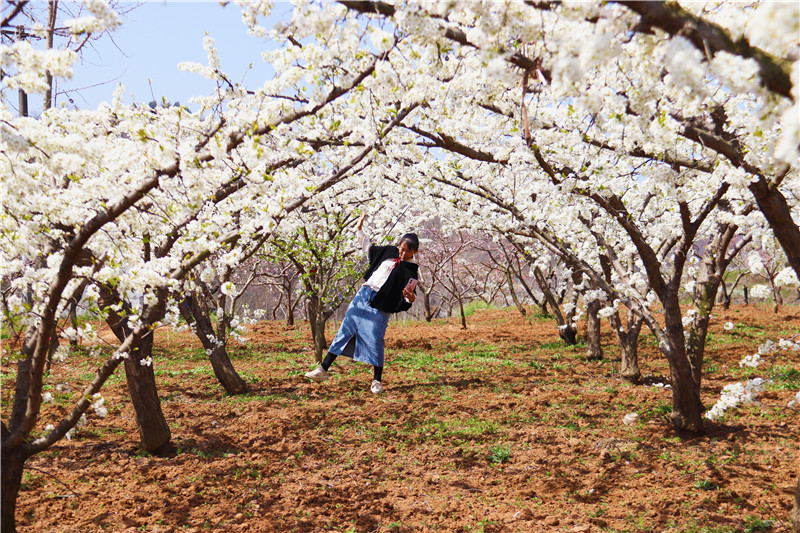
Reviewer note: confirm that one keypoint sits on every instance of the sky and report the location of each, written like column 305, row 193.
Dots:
column 144, row 52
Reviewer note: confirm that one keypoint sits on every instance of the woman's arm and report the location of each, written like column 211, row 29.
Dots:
column 360, row 235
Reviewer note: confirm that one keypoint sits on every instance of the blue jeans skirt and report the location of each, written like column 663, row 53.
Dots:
column 361, row 335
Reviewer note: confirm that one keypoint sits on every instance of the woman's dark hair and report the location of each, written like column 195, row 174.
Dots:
column 411, row 240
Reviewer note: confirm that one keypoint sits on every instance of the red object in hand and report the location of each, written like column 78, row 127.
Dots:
column 412, row 284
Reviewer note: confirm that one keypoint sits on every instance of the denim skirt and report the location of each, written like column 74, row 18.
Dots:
column 361, row 335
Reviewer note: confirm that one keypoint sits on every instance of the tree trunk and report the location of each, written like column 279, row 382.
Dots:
column 52, row 14
column 628, row 340
column 73, row 319
column 224, row 371
column 277, row 306
column 725, row 297
column 687, row 410
column 776, row 298
column 317, row 322
column 517, row 303
column 13, row 464
column 704, row 296
column 463, row 314
column 568, row 334
column 426, row 300
column 796, row 509
column 630, row 350
column 629, row 364
column 153, row 429
column 223, row 368
column 290, row 309
column 566, row 331
column 594, row 351
column 776, row 210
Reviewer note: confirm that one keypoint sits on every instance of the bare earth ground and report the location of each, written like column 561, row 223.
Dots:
column 497, row 428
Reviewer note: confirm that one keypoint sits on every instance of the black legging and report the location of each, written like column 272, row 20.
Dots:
column 331, row 357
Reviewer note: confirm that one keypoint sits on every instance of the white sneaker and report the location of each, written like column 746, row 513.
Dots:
column 318, row 374
column 376, row 387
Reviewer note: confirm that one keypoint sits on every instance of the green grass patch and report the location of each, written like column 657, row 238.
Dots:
column 471, row 307
column 784, row 377
column 416, row 360
column 499, row 454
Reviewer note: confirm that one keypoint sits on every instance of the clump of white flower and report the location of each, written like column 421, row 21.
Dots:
column 786, row 277
column 228, row 288
column 81, row 422
column 88, row 332
column 147, row 361
column 236, row 335
column 207, row 275
column 751, row 360
column 740, row 73
column 761, row 291
column 102, row 18
column 796, row 400
column 31, row 65
column 734, row 395
column 728, row 326
column 47, row 397
column 98, row 404
column 60, row 355
column 687, row 319
column 767, row 348
column 630, row 419
column 606, row 312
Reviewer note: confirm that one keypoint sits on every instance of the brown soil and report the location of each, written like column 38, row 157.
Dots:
column 300, row 456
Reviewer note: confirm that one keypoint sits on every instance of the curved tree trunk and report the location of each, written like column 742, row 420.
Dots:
column 725, row 297
column 514, row 297
column 153, row 429
column 774, row 207
column 566, row 331
column 223, row 368
column 12, row 465
column 224, row 371
column 594, row 351
column 429, row 312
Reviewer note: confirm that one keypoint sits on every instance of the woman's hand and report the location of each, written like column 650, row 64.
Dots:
column 360, row 222
column 409, row 295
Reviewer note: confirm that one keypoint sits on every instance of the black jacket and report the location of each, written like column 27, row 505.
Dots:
column 390, row 298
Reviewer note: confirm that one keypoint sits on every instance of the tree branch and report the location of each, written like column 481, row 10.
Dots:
column 775, row 72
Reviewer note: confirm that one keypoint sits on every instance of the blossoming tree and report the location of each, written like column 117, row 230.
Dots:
column 649, row 147
column 135, row 199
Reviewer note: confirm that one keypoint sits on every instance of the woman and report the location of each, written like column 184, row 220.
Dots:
column 388, row 289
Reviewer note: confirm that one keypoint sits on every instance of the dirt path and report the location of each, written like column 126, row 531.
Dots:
column 497, row 428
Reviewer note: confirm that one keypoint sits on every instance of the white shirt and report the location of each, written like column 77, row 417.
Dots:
column 381, row 274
